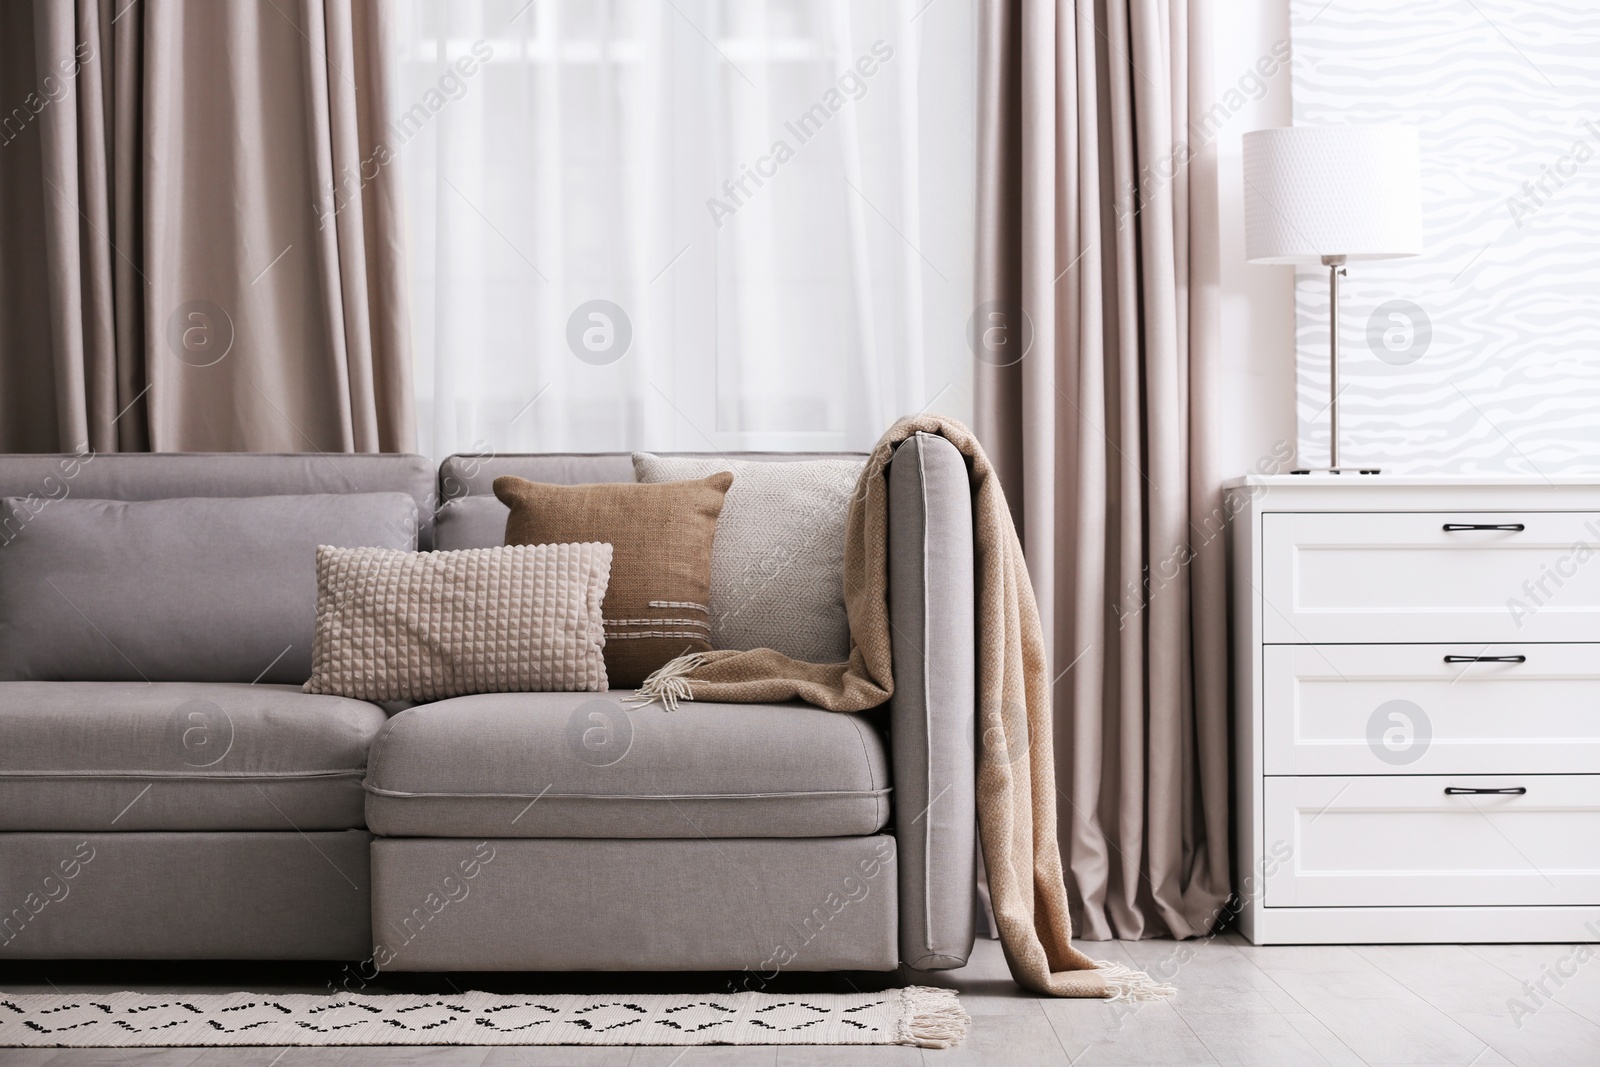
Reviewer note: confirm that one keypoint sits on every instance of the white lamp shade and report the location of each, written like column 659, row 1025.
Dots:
column 1315, row 191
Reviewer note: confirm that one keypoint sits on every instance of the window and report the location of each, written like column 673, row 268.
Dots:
column 686, row 226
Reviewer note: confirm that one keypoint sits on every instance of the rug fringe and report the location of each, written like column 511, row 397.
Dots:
column 932, row 1017
column 669, row 683
column 1125, row 983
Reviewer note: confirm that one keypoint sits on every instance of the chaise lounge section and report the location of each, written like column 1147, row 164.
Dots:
column 166, row 789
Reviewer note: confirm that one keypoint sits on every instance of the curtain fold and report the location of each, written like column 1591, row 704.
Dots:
column 1098, row 238
column 219, row 250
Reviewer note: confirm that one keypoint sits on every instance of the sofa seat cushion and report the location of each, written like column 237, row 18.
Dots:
column 588, row 765
column 132, row 756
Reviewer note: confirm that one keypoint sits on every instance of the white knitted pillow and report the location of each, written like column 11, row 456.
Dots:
column 430, row 625
column 777, row 563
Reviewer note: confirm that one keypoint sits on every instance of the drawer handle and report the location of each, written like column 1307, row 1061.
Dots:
column 1463, row 791
column 1486, row 659
column 1508, row 527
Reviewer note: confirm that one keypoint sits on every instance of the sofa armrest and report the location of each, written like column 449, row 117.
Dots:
column 932, row 720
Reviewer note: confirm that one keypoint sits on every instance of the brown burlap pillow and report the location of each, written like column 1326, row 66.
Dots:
column 657, row 603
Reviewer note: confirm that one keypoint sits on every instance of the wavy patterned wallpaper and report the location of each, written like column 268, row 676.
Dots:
column 1499, row 370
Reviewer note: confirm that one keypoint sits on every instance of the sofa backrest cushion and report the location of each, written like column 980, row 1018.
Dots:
column 465, row 474
column 471, row 517
column 470, row 522
column 153, row 476
column 190, row 589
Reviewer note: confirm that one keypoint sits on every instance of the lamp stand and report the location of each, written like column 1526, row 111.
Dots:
column 1335, row 265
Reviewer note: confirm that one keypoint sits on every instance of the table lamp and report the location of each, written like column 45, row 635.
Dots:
column 1330, row 195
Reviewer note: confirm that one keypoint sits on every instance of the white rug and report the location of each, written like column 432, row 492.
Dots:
column 917, row 1015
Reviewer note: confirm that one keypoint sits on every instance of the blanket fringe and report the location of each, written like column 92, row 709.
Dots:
column 669, row 683
column 931, row 1017
column 1125, row 983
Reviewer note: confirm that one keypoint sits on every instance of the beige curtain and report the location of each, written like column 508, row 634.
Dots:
column 200, row 229
column 1097, row 234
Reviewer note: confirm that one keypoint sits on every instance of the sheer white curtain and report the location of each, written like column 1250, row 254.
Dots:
column 770, row 204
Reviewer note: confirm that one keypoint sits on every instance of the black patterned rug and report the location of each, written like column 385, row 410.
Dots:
column 917, row 1015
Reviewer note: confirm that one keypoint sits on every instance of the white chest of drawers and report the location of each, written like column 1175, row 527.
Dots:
column 1417, row 708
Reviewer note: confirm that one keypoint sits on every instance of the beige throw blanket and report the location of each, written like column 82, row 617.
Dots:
column 1016, row 800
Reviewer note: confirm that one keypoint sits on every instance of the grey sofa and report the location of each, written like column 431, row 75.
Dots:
column 161, row 797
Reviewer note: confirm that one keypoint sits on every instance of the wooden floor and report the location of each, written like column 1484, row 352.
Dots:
column 1475, row 1005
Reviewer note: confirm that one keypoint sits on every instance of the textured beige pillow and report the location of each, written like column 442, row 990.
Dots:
column 430, row 625
column 777, row 564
